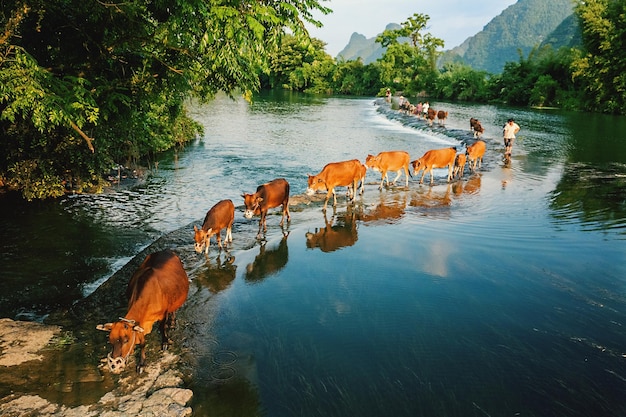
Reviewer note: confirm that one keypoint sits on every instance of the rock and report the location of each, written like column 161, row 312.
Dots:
column 20, row 341
column 156, row 392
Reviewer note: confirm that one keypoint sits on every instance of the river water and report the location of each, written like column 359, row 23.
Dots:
column 499, row 294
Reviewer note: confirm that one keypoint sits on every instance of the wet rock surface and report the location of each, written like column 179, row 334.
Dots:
column 26, row 347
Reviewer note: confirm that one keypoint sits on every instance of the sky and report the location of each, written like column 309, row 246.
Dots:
column 450, row 20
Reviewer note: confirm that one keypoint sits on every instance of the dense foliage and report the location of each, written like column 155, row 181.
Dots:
column 86, row 84
column 587, row 77
column 602, row 69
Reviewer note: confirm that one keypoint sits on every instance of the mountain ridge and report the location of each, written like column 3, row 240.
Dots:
column 517, row 29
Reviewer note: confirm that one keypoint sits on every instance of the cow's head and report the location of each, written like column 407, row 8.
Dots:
column 373, row 162
column 417, row 166
column 252, row 203
column 314, row 183
column 123, row 336
column 202, row 238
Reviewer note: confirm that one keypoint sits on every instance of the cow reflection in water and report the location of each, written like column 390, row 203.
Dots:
column 432, row 198
column 471, row 186
column 332, row 237
column 386, row 211
column 268, row 261
column 218, row 277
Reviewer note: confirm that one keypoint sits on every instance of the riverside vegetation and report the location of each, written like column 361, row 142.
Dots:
column 107, row 84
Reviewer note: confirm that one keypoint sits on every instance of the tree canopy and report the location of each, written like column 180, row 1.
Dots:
column 85, row 84
column 602, row 68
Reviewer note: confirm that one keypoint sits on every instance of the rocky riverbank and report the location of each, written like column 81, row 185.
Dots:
column 25, row 348
column 38, row 362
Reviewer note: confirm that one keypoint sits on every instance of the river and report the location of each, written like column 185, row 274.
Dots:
column 499, row 294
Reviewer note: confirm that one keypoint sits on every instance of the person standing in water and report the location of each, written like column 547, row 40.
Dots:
column 510, row 130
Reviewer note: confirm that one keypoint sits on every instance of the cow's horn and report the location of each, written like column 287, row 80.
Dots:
column 104, row 327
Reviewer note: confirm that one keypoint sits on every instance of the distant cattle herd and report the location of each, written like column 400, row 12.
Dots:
column 160, row 286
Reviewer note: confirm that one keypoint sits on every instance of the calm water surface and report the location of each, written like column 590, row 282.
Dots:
column 500, row 294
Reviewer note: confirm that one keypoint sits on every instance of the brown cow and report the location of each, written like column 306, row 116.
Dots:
column 476, row 127
column 475, row 153
column 363, row 171
column 432, row 113
column 267, row 196
column 221, row 215
column 336, row 174
column 435, row 158
column 459, row 165
column 155, row 291
column 389, row 161
column 441, row 117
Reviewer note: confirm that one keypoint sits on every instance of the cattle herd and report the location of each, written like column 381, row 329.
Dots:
column 160, row 285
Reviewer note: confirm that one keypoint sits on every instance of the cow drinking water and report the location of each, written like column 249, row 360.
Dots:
column 221, row 215
column 156, row 290
column 267, row 196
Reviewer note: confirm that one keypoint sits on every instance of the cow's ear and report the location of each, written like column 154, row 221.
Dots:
column 208, row 232
column 105, row 327
column 195, row 228
column 259, row 199
column 138, row 328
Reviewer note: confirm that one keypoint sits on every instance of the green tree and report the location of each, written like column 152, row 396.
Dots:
column 85, row 84
column 410, row 66
column 461, row 82
column 602, row 68
column 354, row 78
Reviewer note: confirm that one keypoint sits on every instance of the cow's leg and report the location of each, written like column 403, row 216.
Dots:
column 422, row 179
column 285, row 212
column 229, row 233
column 219, row 238
column 261, row 223
column 450, row 171
column 398, row 175
column 432, row 179
column 382, row 181
column 142, row 358
column 331, row 191
column 406, row 174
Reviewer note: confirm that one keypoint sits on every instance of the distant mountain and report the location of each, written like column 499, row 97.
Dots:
column 566, row 34
column 366, row 49
column 519, row 28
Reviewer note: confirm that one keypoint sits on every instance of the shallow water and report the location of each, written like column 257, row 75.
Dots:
column 499, row 294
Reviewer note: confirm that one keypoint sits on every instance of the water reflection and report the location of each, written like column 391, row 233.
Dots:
column 432, row 200
column 217, row 276
column 591, row 196
column 470, row 186
column 335, row 236
column 388, row 210
column 268, row 262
